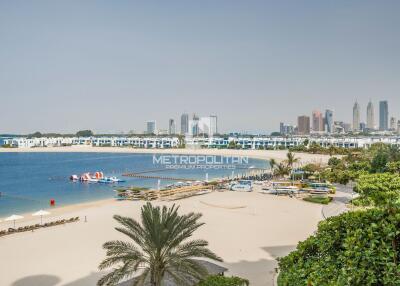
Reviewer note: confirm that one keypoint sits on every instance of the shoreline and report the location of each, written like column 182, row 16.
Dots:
column 224, row 213
column 278, row 155
column 253, row 258
column 59, row 211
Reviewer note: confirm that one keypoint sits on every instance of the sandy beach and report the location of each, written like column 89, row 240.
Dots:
column 248, row 238
column 278, row 155
column 248, row 230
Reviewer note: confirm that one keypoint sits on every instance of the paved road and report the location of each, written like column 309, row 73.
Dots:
column 338, row 205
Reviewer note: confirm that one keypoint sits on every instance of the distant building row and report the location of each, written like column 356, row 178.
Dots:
column 321, row 123
column 264, row 142
column 318, row 123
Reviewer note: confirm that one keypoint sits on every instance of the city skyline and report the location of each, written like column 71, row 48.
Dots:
column 264, row 61
column 328, row 123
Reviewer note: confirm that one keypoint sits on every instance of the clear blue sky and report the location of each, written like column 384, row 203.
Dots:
column 112, row 65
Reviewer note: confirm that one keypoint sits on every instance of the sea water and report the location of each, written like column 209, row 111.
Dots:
column 28, row 181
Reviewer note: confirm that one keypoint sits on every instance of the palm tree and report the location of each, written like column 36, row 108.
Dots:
column 331, row 150
column 272, row 163
column 159, row 247
column 291, row 159
column 181, row 140
column 281, row 170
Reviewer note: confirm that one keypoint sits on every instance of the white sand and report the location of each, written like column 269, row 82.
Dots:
column 278, row 155
column 248, row 239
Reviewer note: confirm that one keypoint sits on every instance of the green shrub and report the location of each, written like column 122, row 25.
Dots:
column 355, row 248
column 381, row 189
column 216, row 280
column 318, row 199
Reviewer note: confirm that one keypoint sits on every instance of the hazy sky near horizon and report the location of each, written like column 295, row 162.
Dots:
column 111, row 65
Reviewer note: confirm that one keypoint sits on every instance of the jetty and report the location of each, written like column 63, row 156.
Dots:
column 140, row 175
column 166, row 194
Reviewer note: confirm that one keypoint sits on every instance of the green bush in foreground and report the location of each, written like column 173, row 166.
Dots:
column 223, row 281
column 382, row 190
column 318, row 200
column 355, row 248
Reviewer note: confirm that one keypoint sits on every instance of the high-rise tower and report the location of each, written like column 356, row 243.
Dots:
column 184, row 123
column 383, row 115
column 356, row 117
column 370, row 116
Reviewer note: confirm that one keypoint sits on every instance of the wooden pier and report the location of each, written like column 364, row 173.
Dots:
column 139, row 175
column 168, row 194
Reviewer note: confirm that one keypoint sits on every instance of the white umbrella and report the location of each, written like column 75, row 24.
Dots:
column 41, row 213
column 14, row 217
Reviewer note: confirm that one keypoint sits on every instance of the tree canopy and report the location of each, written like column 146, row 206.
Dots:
column 355, row 248
column 359, row 247
column 381, row 189
column 84, row 133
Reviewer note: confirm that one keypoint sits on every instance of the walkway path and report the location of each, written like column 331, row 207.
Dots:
column 344, row 194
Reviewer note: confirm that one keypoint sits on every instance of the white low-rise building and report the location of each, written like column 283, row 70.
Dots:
column 257, row 142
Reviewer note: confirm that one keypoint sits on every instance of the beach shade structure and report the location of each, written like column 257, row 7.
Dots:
column 13, row 218
column 41, row 213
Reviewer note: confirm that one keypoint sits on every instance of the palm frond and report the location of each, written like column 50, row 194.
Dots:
column 159, row 247
column 141, row 279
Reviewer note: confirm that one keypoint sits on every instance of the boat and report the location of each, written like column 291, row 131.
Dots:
column 110, row 180
column 287, row 190
column 97, row 177
column 319, row 192
column 242, row 185
column 319, row 188
column 74, row 178
column 277, row 188
column 85, row 177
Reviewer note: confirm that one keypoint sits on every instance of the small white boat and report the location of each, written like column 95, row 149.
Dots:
column 110, row 180
column 242, row 186
column 74, row 178
column 319, row 191
column 268, row 192
column 287, row 190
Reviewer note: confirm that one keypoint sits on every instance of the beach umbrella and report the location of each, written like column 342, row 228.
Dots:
column 13, row 218
column 41, row 213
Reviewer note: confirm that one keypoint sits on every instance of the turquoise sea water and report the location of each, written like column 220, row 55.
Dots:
column 29, row 180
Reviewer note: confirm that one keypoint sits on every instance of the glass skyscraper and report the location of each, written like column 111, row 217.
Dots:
column 184, row 123
column 356, row 117
column 383, row 115
column 329, row 120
